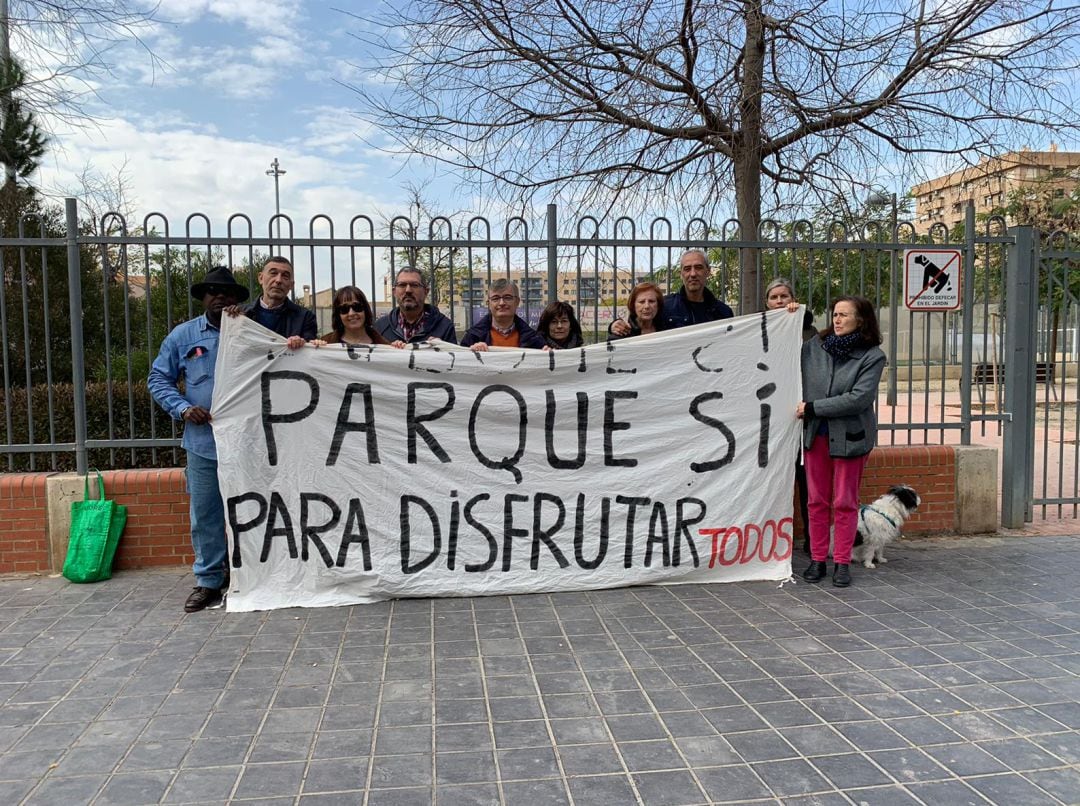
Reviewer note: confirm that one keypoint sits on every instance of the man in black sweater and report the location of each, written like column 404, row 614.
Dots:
column 275, row 311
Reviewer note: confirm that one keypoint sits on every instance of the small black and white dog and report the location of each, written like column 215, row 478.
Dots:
column 880, row 523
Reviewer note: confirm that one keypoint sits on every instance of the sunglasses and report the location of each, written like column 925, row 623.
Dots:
column 355, row 307
column 221, row 290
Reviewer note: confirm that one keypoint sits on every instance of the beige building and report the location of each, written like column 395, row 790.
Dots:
column 593, row 287
column 988, row 184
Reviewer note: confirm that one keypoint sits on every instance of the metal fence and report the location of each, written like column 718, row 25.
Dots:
column 84, row 311
column 1041, row 455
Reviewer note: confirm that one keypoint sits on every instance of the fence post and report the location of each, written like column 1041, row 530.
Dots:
column 78, row 368
column 967, row 314
column 552, row 253
column 1018, row 438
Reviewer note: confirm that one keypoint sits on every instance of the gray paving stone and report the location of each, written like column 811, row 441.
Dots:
column 909, row 765
column 402, row 770
column 464, row 768
column 868, row 684
column 669, row 788
column 530, row 762
column 850, row 770
column 416, row 796
column 732, row 784
column 791, row 777
column 590, row 759
column 270, row 780
column 134, row 788
column 1010, row 788
column 57, row 790
column 270, row 747
column 602, row 789
column 761, row 745
column 342, row 744
column 336, row 775
column 965, row 759
column 1061, row 783
column 203, row 786
column 485, row 795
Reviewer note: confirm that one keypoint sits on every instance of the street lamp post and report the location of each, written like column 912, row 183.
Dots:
column 276, row 171
column 881, row 199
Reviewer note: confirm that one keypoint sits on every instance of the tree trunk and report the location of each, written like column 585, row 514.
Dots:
column 747, row 162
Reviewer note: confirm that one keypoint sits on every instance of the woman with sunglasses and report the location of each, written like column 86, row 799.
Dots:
column 352, row 320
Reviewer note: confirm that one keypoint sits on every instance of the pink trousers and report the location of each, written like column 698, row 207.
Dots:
column 833, row 486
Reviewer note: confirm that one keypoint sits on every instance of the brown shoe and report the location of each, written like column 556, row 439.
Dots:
column 202, row 598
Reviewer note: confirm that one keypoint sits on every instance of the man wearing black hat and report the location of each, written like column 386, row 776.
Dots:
column 189, row 353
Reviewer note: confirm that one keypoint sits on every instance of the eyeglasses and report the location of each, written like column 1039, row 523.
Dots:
column 495, row 300
column 221, row 290
column 355, row 307
column 408, row 286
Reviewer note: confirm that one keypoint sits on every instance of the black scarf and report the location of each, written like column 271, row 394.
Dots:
column 841, row 346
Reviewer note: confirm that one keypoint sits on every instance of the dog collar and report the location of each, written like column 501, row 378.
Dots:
column 879, row 512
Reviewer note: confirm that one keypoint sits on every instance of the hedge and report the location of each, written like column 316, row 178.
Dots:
column 134, row 402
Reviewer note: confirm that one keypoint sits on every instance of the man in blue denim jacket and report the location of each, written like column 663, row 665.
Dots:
column 189, row 354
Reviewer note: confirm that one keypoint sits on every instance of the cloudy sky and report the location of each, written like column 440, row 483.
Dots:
column 233, row 85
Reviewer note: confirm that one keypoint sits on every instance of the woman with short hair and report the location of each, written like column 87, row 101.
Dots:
column 645, row 309
column 560, row 327
column 781, row 294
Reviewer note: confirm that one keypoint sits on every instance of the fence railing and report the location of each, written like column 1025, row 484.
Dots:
column 82, row 313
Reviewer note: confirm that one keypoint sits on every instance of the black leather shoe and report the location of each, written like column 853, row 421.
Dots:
column 841, row 575
column 815, row 572
column 202, row 598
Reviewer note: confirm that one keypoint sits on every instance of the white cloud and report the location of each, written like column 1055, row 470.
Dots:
column 181, row 169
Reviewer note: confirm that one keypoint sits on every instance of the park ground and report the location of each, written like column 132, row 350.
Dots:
column 949, row 676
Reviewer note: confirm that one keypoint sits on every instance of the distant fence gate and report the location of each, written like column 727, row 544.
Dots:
column 84, row 307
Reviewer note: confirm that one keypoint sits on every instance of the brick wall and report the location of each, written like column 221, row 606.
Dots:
column 158, row 529
column 23, row 546
column 930, row 469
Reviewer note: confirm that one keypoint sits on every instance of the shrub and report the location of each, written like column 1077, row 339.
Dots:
column 134, row 415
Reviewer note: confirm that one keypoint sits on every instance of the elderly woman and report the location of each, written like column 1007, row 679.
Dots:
column 560, row 327
column 646, row 311
column 780, row 294
column 841, row 369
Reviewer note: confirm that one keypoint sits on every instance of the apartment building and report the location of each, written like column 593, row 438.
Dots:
column 591, row 288
column 988, row 184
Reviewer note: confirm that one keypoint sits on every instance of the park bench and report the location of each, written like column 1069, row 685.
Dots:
column 984, row 373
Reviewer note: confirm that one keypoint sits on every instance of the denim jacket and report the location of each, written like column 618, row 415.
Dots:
column 189, row 352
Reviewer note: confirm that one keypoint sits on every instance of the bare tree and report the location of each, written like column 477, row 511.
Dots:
column 66, row 48
column 696, row 99
column 445, row 265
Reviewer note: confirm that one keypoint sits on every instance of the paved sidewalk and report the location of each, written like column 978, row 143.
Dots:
column 950, row 676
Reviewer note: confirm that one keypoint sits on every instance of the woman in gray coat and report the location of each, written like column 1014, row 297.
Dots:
column 841, row 369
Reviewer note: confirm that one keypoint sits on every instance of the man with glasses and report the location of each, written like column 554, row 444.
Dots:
column 412, row 320
column 692, row 304
column 188, row 355
column 502, row 327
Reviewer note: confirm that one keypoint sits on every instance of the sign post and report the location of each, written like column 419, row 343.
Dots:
column 932, row 279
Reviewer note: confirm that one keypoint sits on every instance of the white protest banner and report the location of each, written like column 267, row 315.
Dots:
column 355, row 475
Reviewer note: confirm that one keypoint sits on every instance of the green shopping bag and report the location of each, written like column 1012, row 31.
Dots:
column 95, row 530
